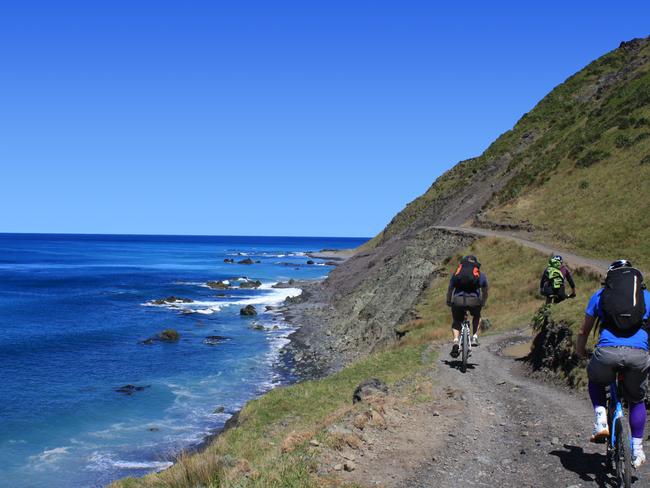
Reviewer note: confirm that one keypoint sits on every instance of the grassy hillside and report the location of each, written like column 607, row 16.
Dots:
column 513, row 272
column 572, row 170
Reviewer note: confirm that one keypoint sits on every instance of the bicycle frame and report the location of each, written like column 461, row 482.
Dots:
column 614, row 395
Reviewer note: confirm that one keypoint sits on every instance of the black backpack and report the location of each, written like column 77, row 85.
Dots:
column 622, row 301
column 468, row 275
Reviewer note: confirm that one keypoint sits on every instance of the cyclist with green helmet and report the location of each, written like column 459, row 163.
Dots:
column 552, row 284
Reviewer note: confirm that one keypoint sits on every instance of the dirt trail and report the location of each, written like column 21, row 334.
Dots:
column 491, row 426
column 573, row 260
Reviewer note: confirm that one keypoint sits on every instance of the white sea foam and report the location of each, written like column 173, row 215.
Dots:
column 155, row 465
column 99, row 461
column 48, row 457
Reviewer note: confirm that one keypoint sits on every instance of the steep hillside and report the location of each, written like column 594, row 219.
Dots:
column 572, row 172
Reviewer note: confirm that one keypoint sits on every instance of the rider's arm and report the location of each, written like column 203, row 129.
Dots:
column 450, row 290
column 583, row 334
column 484, row 295
column 569, row 278
column 541, row 283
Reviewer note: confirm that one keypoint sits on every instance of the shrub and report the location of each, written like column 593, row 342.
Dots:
column 583, row 185
column 621, row 141
column 592, row 157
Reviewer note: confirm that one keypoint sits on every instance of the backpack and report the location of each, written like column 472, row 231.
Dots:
column 622, row 301
column 555, row 277
column 468, row 276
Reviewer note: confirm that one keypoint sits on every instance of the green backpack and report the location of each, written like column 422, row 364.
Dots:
column 555, row 276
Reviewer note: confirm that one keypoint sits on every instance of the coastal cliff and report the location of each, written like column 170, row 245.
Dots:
column 542, row 179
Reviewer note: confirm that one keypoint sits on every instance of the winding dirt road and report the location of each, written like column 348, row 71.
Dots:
column 511, row 430
column 573, row 260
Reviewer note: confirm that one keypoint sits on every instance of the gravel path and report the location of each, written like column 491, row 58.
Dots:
column 573, row 260
column 514, row 431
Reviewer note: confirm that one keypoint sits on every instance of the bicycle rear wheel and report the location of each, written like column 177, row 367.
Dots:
column 623, row 454
column 465, row 349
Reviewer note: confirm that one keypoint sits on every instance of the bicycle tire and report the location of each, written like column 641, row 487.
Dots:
column 465, row 350
column 623, row 454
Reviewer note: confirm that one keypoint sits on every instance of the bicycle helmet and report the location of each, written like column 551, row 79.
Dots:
column 559, row 258
column 620, row 263
column 470, row 259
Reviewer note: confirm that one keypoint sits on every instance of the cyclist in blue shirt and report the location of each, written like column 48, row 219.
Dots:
column 615, row 351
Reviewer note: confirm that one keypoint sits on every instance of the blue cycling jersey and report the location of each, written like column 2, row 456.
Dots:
column 607, row 337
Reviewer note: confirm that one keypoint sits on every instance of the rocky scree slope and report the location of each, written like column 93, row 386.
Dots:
column 593, row 122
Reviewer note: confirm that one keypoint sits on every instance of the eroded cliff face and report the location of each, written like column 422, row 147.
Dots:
column 357, row 308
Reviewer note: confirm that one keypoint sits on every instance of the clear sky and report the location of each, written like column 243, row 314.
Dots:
column 267, row 117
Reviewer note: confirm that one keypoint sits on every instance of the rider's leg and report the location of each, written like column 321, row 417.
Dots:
column 601, row 372
column 458, row 315
column 635, row 385
column 476, row 322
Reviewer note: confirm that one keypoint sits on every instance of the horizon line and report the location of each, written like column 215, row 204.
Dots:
column 173, row 235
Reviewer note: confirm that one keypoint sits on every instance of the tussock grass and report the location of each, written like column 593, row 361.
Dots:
column 513, row 272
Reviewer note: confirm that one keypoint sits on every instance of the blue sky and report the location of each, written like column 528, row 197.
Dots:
column 269, row 117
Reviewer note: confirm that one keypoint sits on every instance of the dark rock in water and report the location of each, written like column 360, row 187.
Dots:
column 130, row 389
column 248, row 310
column 269, row 308
column 171, row 299
column 250, row 284
column 220, row 409
column 229, row 260
column 153, row 429
column 217, row 285
column 148, row 342
column 169, row 335
column 331, row 263
column 258, row 261
column 369, row 388
column 221, row 295
column 213, row 340
column 284, row 284
column 310, row 262
column 246, row 261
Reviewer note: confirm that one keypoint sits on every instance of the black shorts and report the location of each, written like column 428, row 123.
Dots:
column 458, row 314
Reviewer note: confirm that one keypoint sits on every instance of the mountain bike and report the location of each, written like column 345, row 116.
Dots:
column 619, row 442
column 465, row 344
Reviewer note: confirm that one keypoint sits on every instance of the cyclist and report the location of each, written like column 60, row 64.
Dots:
column 467, row 292
column 553, row 279
column 622, row 308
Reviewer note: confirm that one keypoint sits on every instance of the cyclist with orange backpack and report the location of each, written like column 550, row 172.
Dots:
column 467, row 293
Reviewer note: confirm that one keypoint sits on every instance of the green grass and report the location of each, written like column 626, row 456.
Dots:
column 269, row 447
column 513, row 272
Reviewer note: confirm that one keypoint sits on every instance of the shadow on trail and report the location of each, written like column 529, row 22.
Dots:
column 457, row 363
column 589, row 466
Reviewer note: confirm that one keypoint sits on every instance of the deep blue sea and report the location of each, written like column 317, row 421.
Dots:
column 73, row 312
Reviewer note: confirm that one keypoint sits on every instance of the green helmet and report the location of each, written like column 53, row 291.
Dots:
column 555, row 262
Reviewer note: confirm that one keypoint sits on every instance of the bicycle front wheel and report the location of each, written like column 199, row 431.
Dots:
column 465, row 350
column 623, row 453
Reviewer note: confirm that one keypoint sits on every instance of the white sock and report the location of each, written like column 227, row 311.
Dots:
column 601, row 415
column 637, row 444
column 456, row 339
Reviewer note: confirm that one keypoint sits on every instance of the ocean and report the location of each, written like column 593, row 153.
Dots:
column 74, row 312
